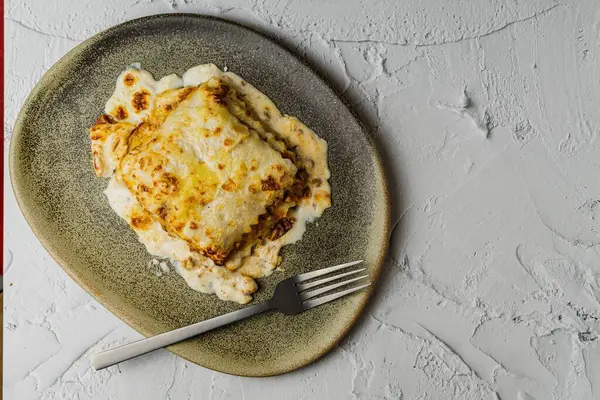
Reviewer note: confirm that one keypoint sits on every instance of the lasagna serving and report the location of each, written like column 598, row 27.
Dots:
column 209, row 174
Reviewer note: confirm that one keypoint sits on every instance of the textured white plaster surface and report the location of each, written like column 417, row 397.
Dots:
column 492, row 286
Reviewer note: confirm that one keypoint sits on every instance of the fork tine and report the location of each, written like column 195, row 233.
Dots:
column 304, row 286
column 324, row 271
column 330, row 297
column 313, row 293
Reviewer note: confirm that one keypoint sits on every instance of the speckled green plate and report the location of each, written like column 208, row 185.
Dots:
column 62, row 199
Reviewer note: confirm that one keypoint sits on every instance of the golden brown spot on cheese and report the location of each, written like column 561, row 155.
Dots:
column 279, row 213
column 188, row 263
column 168, row 184
column 220, row 166
column 227, row 142
column 219, row 94
column 171, row 179
column 323, row 196
column 218, row 129
column 218, row 257
column 141, row 100
column 97, row 135
column 183, row 94
column 121, row 112
column 177, row 225
column 193, row 225
column 269, row 184
column 141, row 221
column 104, row 119
column 98, row 164
column 317, row 182
column 229, row 186
column 129, row 80
column 162, row 211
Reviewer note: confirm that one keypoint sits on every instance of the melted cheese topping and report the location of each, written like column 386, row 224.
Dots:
column 138, row 101
column 203, row 174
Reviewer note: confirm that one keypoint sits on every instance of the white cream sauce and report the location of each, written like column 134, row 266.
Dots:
column 233, row 281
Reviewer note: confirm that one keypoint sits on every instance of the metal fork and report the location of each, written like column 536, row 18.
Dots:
column 292, row 296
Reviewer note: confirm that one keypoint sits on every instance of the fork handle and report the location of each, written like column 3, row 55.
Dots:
column 122, row 353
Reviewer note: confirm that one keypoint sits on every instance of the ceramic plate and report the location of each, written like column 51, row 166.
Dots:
column 62, row 199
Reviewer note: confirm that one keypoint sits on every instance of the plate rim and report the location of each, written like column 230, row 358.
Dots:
column 102, row 298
